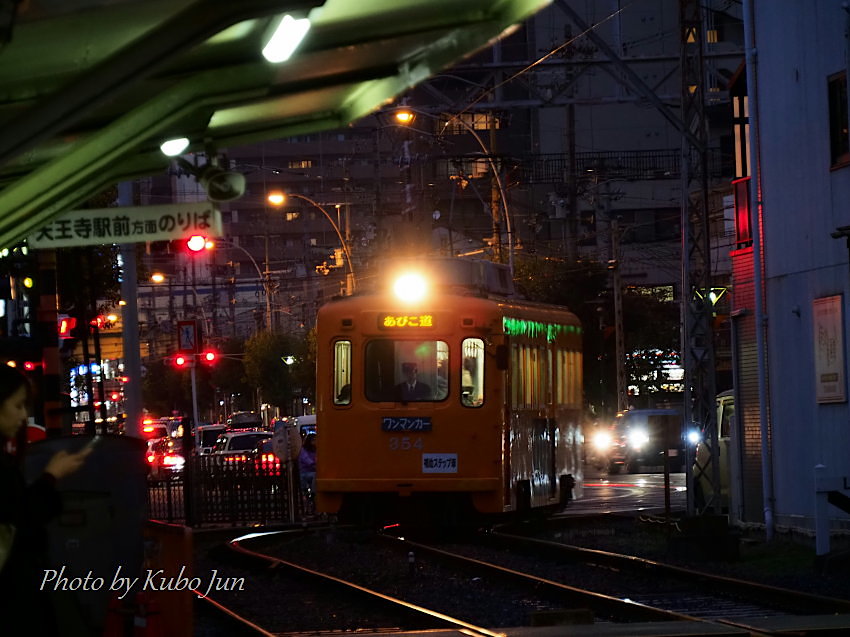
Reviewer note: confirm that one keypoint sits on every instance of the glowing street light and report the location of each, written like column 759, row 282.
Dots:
column 277, row 198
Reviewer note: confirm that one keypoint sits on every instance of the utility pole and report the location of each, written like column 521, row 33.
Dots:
column 619, row 338
column 697, row 337
column 495, row 195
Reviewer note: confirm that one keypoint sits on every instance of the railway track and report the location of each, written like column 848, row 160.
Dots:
column 763, row 597
column 394, row 593
column 335, row 604
column 646, row 586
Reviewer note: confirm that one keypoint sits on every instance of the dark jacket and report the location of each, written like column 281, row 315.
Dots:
column 28, row 508
column 307, row 460
column 420, row 391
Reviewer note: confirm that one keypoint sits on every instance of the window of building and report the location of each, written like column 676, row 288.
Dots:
column 839, row 141
column 741, row 133
column 466, row 168
column 743, row 231
column 301, row 163
column 460, row 124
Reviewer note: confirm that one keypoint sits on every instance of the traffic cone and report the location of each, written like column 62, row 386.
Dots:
column 114, row 624
column 148, row 621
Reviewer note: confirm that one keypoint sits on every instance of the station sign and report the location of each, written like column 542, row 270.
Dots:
column 129, row 224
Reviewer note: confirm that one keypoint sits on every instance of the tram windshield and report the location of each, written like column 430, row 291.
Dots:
column 406, row 370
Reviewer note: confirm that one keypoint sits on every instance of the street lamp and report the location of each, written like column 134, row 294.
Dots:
column 405, row 116
column 277, row 199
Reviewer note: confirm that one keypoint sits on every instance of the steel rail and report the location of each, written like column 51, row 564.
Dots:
column 776, row 594
column 466, row 627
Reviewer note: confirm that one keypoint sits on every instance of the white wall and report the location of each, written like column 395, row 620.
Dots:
column 799, row 46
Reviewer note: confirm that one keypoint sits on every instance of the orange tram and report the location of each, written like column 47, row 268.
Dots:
column 444, row 395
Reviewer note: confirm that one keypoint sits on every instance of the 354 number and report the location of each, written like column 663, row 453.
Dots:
column 405, row 443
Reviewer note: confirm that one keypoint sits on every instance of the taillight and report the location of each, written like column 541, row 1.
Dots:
column 171, row 460
column 151, row 458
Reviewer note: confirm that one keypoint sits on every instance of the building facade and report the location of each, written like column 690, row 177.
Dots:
column 792, row 391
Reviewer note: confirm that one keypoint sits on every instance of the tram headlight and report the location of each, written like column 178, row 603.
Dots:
column 694, row 437
column 638, row 438
column 410, row 287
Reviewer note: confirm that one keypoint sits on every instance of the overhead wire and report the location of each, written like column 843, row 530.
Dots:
column 488, row 91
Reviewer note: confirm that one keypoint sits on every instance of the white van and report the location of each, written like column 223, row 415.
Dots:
column 702, row 483
column 205, row 437
column 306, row 425
column 289, row 433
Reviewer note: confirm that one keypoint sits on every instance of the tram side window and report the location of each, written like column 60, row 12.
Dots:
column 568, row 377
column 472, row 372
column 342, row 373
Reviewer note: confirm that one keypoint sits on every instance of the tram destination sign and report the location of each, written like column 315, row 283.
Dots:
column 405, row 321
column 126, row 224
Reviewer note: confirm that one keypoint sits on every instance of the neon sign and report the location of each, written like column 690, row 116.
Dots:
column 404, row 321
column 536, row 329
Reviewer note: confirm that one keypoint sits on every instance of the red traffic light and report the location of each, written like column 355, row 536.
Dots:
column 181, row 361
column 209, row 356
column 30, row 366
column 66, row 324
column 114, row 396
column 197, row 243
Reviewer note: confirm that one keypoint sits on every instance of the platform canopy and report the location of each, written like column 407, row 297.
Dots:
column 89, row 89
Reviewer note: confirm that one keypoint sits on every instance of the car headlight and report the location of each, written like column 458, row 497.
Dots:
column 602, row 440
column 638, row 438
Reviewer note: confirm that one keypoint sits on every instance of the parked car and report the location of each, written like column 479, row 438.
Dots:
column 205, row 437
column 153, row 429
column 165, row 458
column 306, row 425
column 238, row 446
column 245, row 420
column 266, row 460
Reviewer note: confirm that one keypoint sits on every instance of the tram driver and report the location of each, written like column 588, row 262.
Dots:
column 411, row 388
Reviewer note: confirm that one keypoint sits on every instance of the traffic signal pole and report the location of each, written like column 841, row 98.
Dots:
column 130, row 328
column 194, row 390
column 48, row 335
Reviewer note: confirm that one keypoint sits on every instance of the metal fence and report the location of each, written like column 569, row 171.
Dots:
column 220, row 490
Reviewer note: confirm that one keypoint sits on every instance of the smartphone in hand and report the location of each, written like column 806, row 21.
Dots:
column 94, row 442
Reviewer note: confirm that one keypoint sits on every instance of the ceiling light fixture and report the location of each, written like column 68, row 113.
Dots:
column 286, row 38
column 174, row 147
